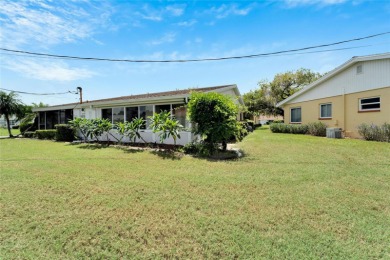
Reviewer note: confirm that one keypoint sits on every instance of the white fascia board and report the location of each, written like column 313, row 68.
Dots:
column 333, row 72
column 52, row 108
column 139, row 101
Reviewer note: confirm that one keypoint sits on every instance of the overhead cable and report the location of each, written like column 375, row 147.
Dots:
column 194, row 60
column 40, row 94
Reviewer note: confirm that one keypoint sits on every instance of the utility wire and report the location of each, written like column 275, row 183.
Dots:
column 40, row 94
column 195, row 60
column 273, row 55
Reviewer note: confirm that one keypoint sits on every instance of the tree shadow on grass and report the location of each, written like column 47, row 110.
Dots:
column 89, row 146
column 168, row 154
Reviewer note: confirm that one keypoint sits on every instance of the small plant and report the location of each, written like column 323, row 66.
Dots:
column 27, row 123
column 98, row 127
column 163, row 124
column 374, row 132
column 132, row 129
column 81, row 125
column 316, row 129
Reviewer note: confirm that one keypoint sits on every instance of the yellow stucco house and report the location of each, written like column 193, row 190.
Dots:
column 356, row 92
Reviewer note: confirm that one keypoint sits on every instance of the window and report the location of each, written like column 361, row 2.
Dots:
column 107, row 114
column 131, row 113
column 296, row 115
column 179, row 113
column 161, row 108
column 118, row 115
column 326, row 110
column 359, row 69
column 370, row 104
column 145, row 112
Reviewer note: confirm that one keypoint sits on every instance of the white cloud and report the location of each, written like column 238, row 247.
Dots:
column 38, row 22
column 166, row 38
column 294, row 3
column 175, row 10
column 187, row 23
column 226, row 10
column 46, row 70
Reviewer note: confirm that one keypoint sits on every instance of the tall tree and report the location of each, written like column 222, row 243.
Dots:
column 9, row 105
column 264, row 99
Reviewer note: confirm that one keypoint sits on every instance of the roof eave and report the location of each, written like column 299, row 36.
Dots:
column 333, row 72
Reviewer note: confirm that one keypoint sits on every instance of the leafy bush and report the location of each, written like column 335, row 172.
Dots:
column 386, row 131
column 28, row 123
column 316, row 129
column 81, row 125
column 132, row 129
column 15, row 127
column 201, row 149
column 163, row 124
column 288, row 129
column 64, row 132
column 278, row 121
column 214, row 117
column 243, row 130
column 374, row 132
column 29, row 134
column 46, row 134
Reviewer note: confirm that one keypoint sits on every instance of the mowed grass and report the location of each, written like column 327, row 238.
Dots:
column 292, row 196
column 4, row 131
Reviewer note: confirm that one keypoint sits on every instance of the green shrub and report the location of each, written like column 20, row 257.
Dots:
column 386, row 131
column 46, row 134
column 213, row 116
column 288, row 129
column 201, row 149
column 15, row 127
column 316, row 129
column 64, row 132
column 29, row 123
column 278, row 122
column 29, row 134
column 374, row 132
column 242, row 130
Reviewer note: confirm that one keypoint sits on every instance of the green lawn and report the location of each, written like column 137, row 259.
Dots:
column 4, row 131
column 292, row 196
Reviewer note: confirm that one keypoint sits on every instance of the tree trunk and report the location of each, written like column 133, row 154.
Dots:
column 8, row 125
column 224, row 145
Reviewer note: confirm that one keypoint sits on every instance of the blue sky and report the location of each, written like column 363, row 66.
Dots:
column 175, row 30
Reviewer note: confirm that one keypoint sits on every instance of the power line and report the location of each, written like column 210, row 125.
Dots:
column 40, row 94
column 283, row 54
column 194, row 60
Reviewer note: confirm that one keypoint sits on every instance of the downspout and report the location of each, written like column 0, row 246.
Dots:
column 344, row 112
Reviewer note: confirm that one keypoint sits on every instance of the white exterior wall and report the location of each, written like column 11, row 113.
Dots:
column 376, row 74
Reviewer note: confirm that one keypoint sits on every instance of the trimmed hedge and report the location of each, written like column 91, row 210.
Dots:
column 64, row 132
column 46, row 134
column 288, row 129
column 29, row 134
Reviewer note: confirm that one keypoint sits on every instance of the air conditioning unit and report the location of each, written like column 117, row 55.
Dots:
column 333, row 132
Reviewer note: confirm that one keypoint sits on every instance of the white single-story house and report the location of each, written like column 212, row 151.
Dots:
column 125, row 108
column 356, row 92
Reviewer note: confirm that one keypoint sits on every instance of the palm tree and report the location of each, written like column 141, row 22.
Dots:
column 9, row 105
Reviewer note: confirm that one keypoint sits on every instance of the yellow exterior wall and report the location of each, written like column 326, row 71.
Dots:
column 354, row 118
column 345, row 111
